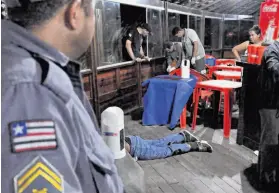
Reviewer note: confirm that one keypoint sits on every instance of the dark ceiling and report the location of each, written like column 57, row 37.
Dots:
column 239, row 7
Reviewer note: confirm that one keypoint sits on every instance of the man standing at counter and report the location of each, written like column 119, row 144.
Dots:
column 133, row 43
column 192, row 47
column 268, row 163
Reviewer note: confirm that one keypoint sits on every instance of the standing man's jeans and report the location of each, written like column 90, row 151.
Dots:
column 159, row 148
column 199, row 65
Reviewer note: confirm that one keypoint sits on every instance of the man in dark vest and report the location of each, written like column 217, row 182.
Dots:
column 133, row 43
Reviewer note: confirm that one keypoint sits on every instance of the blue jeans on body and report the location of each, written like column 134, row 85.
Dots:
column 158, row 148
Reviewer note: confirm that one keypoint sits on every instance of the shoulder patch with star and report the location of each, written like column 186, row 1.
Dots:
column 32, row 135
column 39, row 176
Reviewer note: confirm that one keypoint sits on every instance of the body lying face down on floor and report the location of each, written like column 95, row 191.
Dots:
column 178, row 143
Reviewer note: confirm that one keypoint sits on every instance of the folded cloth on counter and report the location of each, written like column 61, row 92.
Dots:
column 165, row 99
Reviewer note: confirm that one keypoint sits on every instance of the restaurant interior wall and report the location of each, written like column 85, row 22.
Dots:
column 118, row 82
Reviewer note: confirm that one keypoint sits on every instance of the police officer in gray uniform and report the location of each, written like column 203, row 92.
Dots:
column 50, row 142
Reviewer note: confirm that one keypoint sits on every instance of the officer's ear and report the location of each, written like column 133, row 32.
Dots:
column 74, row 14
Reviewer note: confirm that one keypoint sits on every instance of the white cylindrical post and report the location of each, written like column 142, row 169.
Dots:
column 112, row 121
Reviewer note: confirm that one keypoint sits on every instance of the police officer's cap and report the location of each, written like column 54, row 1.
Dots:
column 20, row 3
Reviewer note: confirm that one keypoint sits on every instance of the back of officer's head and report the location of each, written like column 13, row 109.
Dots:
column 65, row 24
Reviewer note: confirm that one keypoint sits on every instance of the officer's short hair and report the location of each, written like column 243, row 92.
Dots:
column 175, row 30
column 35, row 13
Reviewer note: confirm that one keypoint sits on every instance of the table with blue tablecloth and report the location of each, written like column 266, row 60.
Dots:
column 165, row 99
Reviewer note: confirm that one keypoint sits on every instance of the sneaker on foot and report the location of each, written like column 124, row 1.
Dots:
column 188, row 137
column 204, row 146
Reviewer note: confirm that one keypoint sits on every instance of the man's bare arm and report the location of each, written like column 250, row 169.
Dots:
column 129, row 49
column 195, row 48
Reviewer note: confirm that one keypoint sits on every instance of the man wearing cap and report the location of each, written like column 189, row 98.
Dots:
column 133, row 43
column 50, row 137
column 192, row 47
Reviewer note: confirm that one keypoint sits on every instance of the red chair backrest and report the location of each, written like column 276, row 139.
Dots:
column 176, row 72
column 207, row 56
column 225, row 62
column 200, row 77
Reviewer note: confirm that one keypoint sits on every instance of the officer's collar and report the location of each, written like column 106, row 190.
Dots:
column 21, row 37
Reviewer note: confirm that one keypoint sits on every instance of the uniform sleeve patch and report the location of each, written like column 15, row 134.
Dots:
column 39, row 177
column 130, row 35
column 32, row 135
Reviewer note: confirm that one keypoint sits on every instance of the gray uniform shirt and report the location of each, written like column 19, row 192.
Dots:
column 75, row 159
column 188, row 41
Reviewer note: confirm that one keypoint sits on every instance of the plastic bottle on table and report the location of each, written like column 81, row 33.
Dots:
column 185, row 68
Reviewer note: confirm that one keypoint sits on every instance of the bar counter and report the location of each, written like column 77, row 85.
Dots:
column 249, row 119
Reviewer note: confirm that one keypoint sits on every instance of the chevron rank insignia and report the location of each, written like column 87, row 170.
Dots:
column 39, row 176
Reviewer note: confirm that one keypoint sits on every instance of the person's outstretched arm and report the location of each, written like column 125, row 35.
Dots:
column 239, row 48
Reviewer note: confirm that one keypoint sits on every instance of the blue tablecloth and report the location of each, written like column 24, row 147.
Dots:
column 165, row 99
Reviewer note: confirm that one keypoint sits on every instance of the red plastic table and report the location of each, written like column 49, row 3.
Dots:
column 224, row 86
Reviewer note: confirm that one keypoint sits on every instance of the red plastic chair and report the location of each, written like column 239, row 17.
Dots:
column 227, row 64
column 200, row 78
column 205, row 94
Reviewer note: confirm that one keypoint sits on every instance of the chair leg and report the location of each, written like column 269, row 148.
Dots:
column 210, row 73
column 215, row 106
column 227, row 114
column 196, row 105
column 194, row 96
column 183, row 118
column 220, row 101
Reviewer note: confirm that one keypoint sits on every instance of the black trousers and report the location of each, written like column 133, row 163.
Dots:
column 268, row 163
